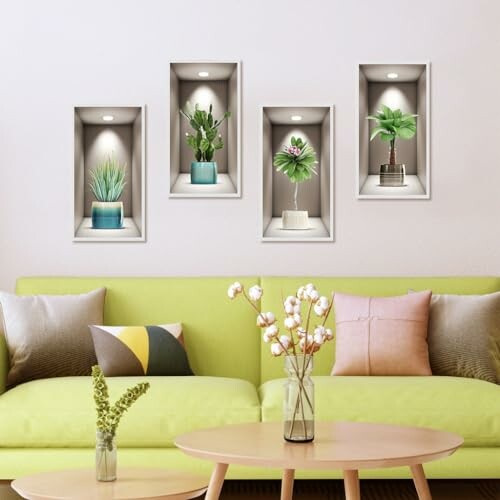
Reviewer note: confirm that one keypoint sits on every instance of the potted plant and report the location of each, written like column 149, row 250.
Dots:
column 390, row 125
column 107, row 181
column 204, row 142
column 297, row 161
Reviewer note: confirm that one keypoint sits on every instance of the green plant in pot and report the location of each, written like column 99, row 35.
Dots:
column 107, row 181
column 392, row 124
column 296, row 161
column 205, row 140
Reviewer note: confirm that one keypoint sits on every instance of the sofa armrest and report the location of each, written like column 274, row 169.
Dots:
column 4, row 361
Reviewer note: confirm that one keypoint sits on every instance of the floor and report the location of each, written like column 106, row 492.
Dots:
column 183, row 187
column 334, row 490
column 371, row 187
column 317, row 230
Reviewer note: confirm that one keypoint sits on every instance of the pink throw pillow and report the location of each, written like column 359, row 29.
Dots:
column 382, row 335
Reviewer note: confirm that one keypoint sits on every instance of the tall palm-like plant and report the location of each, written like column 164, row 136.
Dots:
column 393, row 124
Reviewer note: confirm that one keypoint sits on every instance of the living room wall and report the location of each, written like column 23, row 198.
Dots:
column 55, row 55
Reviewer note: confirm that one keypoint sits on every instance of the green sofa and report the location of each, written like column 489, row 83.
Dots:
column 50, row 424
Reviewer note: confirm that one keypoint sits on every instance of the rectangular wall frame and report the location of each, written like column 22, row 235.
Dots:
column 405, row 86
column 122, row 136
column 314, row 124
column 205, row 83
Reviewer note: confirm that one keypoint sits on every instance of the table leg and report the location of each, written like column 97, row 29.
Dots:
column 420, row 481
column 351, row 485
column 216, row 482
column 287, row 484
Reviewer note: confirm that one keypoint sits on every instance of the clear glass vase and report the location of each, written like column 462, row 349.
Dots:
column 298, row 407
column 105, row 456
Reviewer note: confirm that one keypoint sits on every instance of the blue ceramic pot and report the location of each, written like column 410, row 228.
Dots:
column 203, row 172
column 107, row 215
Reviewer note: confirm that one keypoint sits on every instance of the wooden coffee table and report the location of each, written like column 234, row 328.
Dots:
column 347, row 446
column 132, row 484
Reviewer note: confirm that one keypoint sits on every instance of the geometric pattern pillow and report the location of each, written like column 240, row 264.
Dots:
column 140, row 350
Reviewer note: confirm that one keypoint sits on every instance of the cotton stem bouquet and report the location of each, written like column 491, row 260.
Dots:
column 306, row 314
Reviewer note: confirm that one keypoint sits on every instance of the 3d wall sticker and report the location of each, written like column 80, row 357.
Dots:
column 205, row 130
column 393, row 131
column 109, row 173
column 297, row 173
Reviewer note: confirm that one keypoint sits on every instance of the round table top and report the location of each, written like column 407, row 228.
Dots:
column 131, row 484
column 336, row 445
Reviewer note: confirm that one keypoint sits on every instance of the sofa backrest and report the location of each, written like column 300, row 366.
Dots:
column 276, row 287
column 221, row 338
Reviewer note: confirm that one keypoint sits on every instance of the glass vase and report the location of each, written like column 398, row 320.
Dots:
column 105, row 456
column 298, row 407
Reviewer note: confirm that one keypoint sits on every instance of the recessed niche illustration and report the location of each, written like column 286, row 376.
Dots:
column 394, row 117
column 205, row 129
column 297, row 180
column 109, row 170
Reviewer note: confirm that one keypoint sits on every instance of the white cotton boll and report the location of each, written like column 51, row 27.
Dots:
column 290, row 300
column 231, row 292
column 314, row 295
column 302, row 342
column 285, row 341
column 329, row 334
column 290, row 323
column 237, row 286
column 296, row 309
column 301, row 293
column 301, row 333
column 318, row 339
column 272, row 330
column 271, row 318
column 319, row 330
column 266, row 337
column 262, row 321
column 324, row 302
column 289, row 308
column 309, row 287
column 276, row 350
column 319, row 310
column 298, row 319
column 255, row 293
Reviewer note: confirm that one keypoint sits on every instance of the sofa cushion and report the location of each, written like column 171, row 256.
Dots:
column 382, row 335
column 468, row 407
column 140, row 350
column 60, row 412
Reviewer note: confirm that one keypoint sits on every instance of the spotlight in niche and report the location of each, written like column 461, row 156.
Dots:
column 203, row 74
column 296, row 118
column 392, row 76
column 108, row 118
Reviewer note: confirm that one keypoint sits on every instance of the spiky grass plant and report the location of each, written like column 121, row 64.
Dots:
column 107, row 179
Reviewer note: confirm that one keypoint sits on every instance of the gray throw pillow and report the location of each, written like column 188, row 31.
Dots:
column 464, row 336
column 48, row 336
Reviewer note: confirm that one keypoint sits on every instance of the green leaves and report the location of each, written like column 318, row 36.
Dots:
column 107, row 179
column 392, row 124
column 206, row 127
column 297, row 164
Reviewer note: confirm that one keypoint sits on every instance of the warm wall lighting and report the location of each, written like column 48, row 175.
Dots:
column 108, row 118
column 296, row 118
column 392, row 76
column 203, row 74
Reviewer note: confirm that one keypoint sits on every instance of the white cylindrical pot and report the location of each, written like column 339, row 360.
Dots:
column 295, row 219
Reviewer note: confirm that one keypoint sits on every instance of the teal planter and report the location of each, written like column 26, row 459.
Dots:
column 203, row 172
column 107, row 215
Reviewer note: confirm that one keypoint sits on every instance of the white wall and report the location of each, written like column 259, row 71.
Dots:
column 49, row 64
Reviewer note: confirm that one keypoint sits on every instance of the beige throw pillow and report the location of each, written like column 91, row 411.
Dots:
column 464, row 336
column 48, row 336
column 382, row 335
